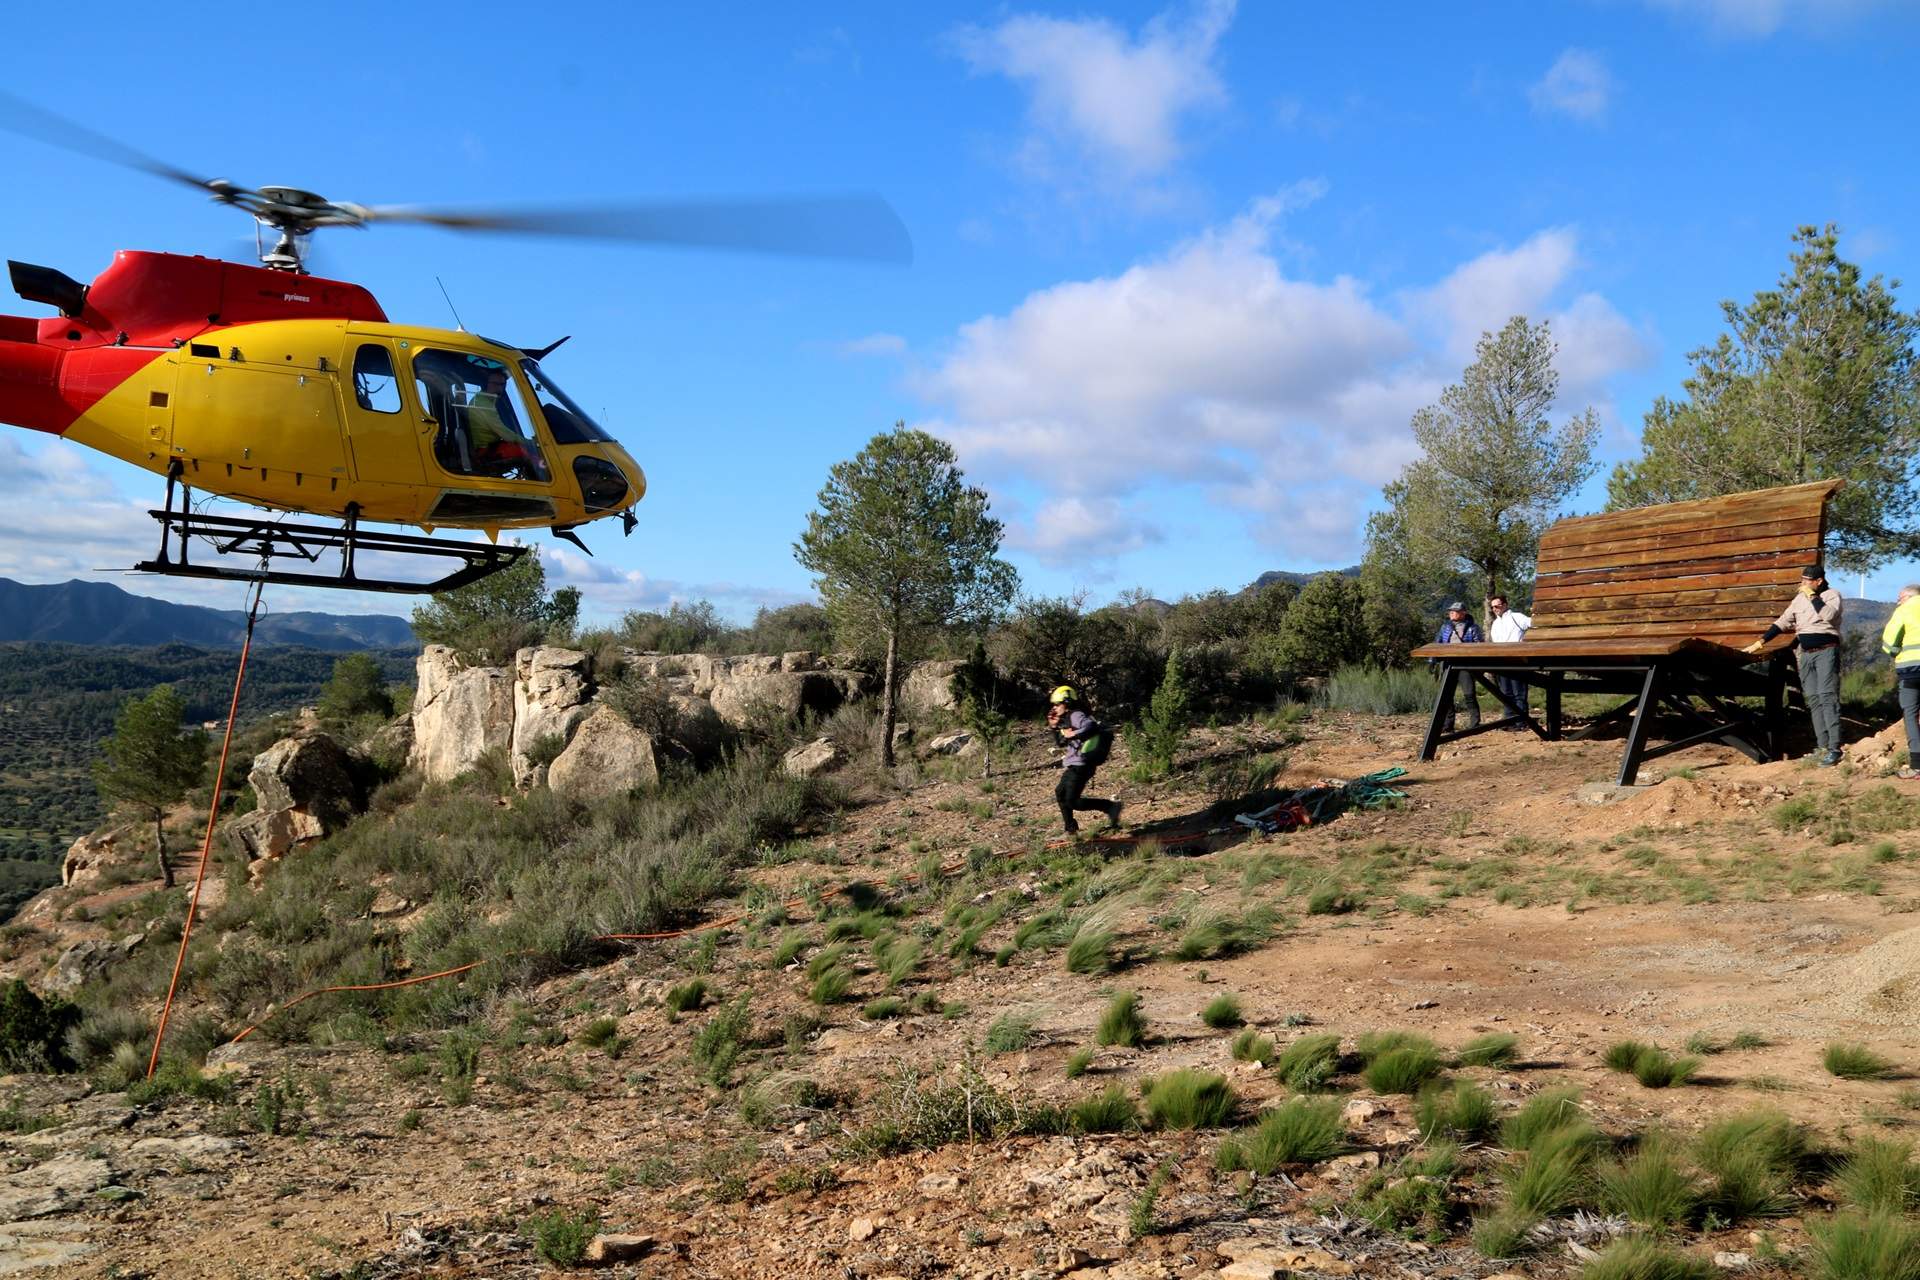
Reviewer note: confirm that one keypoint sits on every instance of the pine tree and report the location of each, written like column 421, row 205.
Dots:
column 150, row 763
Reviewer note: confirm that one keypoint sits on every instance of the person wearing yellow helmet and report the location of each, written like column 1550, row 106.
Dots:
column 1088, row 743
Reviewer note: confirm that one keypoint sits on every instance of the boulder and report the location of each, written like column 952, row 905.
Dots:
column 459, row 713
column 312, row 773
column 89, row 857
column 957, row 743
column 753, row 664
column 1884, row 752
column 607, row 756
column 697, row 727
column 703, row 671
column 800, row 660
column 390, row 744
column 741, row 699
column 269, row 834
column 853, row 685
column 928, row 686
column 83, row 960
column 552, row 692
column 815, row 757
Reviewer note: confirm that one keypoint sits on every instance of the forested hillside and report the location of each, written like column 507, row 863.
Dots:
column 59, row 701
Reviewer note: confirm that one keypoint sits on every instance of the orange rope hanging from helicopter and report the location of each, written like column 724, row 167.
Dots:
column 206, row 845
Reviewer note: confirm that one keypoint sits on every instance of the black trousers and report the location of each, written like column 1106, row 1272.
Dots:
column 1069, row 791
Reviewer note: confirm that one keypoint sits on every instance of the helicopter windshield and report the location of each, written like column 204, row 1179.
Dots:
column 567, row 421
column 483, row 419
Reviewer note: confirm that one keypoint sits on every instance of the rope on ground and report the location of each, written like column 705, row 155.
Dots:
column 1306, row 806
column 206, row 845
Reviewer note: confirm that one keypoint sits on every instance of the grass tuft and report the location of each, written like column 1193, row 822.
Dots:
column 1650, row 1187
column 1557, row 1172
column 1495, row 1049
column 1855, row 1062
column 687, row 996
column 1091, row 951
column 1251, row 1046
column 1879, row 1246
column 831, row 985
column 1403, row 1070
column 1751, row 1160
column 1077, row 1065
column 1299, row 1131
column 1879, row 1176
column 1222, row 1013
column 1546, row 1111
column 1121, row 1023
column 1010, row 1033
column 1110, row 1111
column 1309, row 1062
column 1503, row 1234
column 1189, row 1099
column 1641, row 1258
column 1463, row 1112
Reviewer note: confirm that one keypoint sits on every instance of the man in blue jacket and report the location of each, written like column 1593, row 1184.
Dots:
column 1461, row 629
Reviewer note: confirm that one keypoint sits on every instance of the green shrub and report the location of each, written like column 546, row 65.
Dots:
column 687, row 996
column 1546, row 1111
column 1411, row 1196
column 1391, row 691
column 1189, row 1099
column 1222, row 1013
column 1309, row 1062
column 1121, row 1023
column 883, row 1008
column 1463, row 1112
column 34, row 1030
column 1855, row 1062
column 100, row 1032
column 1077, row 1064
column 1880, row 1176
column 1495, row 1049
column 1650, row 1188
column 1111, row 1111
column 1010, row 1033
column 561, row 1236
column 1751, row 1160
column 1555, row 1173
column 1641, row 1258
column 1403, row 1070
column 1141, row 1219
column 1156, row 738
column 1299, row 1131
column 1251, row 1046
column 719, row 1044
column 1091, row 951
column 1879, row 1246
column 601, row 1032
column 831, row 986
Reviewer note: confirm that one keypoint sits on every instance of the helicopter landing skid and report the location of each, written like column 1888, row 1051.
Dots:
column 265, row 540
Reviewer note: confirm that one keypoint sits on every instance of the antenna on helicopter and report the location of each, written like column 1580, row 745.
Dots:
column 457, row 322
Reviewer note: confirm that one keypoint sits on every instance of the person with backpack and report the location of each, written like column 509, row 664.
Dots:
column 1088, row 744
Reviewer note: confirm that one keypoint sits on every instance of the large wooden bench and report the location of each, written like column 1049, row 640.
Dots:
column 1657, row 603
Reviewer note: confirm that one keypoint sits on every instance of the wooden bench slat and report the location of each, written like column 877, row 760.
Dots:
column 1804, row 530
column 1527, row 650
column 1785, row 565
column 1731, row 508
column 1758, row 599
column 1777, row 585
column 1679, row 627
column 1794, row 544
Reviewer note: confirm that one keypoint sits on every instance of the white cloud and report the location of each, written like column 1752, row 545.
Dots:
column 1211, row 370
column 1101, row 93
column 874, row 344
column 1757, row 18
column 607, row 590
column 1578, row 84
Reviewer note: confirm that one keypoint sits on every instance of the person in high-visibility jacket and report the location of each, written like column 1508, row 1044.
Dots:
column 1901, row 640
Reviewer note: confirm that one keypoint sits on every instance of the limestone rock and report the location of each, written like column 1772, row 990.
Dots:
column 957, row 743
column 754, row 664
column 740, row 699
column 852, row 685
column 862, row 1229
column 268, row 835
column 607, row 756
column 814, row 757
column 697, row 727
column 459, row 713
column 88, row 857
column 800, row 660
column 1884, row 751
column 390, row 744
column 311, row 773
column 85, row 959
column 604, row 1250
column 552, row 689
column 929, row 685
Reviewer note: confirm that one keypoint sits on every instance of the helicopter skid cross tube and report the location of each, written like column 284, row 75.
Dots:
column 264, row 539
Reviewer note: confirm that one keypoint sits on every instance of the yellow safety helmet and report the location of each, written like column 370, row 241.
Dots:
column 1064, row 693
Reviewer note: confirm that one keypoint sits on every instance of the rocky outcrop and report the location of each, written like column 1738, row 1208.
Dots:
column 1883, row 752
column 88, row 959
column 697, row 727
column 552, row 694
column 814, row 757
column 89, row 857
column 607, row 757
column 305, row 788
column 800, row 660
column 459, row 713
column 929, row 686
column 741, row 700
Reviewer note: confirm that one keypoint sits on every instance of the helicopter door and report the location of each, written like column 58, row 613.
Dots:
column 254, row 431
column 381, row 431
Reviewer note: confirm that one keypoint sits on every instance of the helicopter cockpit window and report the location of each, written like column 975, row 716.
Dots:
column 374, row 386
column 567, row 421
column 484, row 426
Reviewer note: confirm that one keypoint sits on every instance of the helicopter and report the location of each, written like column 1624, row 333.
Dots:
column 297, row 394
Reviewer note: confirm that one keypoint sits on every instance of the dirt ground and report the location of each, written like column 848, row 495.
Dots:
column 1509, row 893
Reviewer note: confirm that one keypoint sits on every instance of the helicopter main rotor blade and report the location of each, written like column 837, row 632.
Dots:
column 35, row 122
column 862, row 227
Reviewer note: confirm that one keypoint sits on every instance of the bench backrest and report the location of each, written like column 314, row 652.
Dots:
column 1719, row 569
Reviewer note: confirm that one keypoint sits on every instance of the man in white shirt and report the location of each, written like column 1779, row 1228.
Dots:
column 1508, row 626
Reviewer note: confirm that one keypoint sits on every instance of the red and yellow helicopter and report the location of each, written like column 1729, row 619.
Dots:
column 297, row 394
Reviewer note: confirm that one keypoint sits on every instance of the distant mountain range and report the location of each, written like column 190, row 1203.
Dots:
column 1272, row 576
column 79, row 612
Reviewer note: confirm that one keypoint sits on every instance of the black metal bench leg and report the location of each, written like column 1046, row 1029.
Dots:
column 1441, row 705
column 1637, row 736
column 1553, row 709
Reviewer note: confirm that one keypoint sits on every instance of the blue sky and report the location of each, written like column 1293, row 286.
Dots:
column 1183, row 272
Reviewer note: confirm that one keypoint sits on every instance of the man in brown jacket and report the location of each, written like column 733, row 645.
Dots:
column 1814, row 619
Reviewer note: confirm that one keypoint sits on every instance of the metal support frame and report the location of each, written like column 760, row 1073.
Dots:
column 262, row 541
column 1673, row 684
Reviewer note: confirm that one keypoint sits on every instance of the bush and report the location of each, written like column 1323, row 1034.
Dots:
column 1463, row 1113
column 1640, row 1258
column 643, row 701
column 1121, row 1023
column 1309, row 1062
column 1156, row 738
column 1855, row 1062
column 100, row 1033
column 1189, row 1099
column 1111, row 1111
column 1650, row 1188
column 1251, row 1046
column 1299, row 1131
column 1389, row 691
column 1222, row 1013
column 562, row 1236
column 34, row 1030
column 1879, row 1246
column 1403, row 1070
